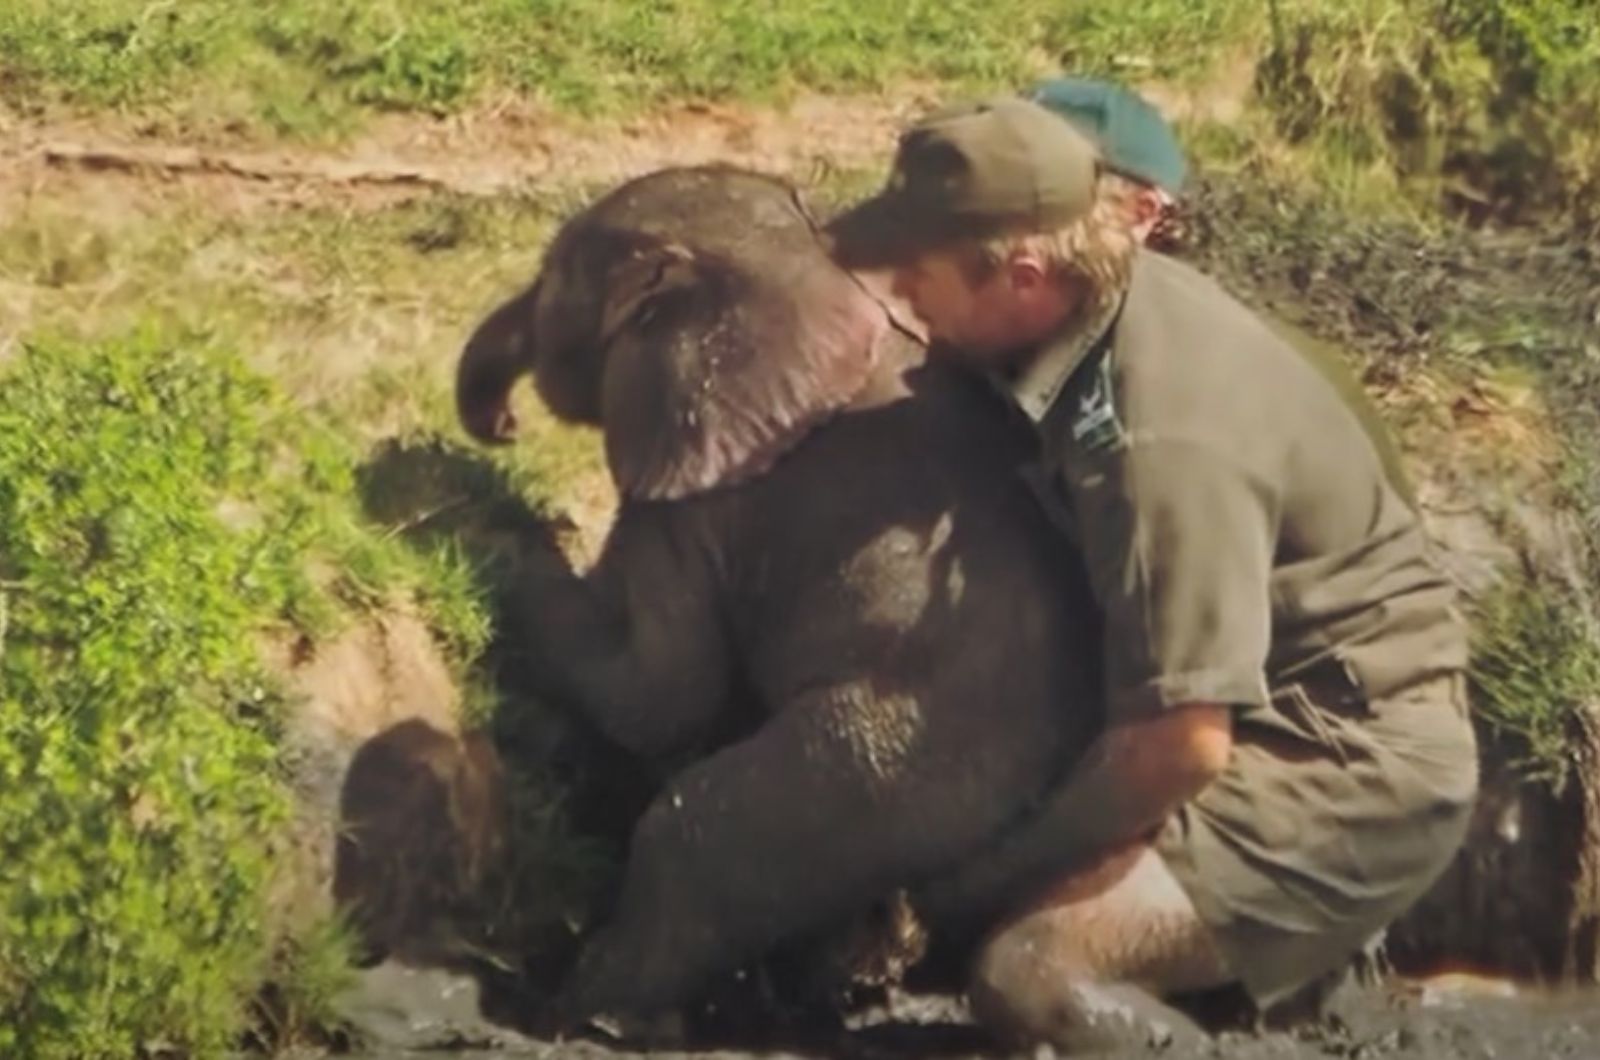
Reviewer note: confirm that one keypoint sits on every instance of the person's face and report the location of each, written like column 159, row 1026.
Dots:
column 1146, row 206
column 1012, row 308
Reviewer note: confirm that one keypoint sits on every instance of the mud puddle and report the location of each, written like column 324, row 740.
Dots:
column 401, row 1013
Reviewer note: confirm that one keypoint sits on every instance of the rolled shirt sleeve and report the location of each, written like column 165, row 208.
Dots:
column 1179, row 538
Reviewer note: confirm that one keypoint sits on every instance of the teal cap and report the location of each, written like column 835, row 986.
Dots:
column 1134, row 139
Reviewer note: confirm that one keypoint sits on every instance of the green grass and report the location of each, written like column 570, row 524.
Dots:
column 1488, row 107
column 311, row 970
column 312, row 66
column 163, row 508
column 164, row 504
column 1536, row 662
column 1491, row 107
column 358, row 314
column 351, row 321
column 138, row 790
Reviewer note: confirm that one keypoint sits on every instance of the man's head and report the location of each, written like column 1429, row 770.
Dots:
column 1133, row 138
column 999, row 223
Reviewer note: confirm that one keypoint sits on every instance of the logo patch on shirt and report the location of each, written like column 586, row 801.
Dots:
column 1095, row 425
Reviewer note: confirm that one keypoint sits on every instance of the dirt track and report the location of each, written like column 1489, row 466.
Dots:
column 501, row 146
column 494, row 150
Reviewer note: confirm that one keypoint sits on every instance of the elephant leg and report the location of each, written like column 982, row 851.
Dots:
column 638, row 644
column 828, row 807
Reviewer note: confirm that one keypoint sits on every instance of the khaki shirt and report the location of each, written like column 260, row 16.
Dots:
column 1248, row 547
column 1237, row 519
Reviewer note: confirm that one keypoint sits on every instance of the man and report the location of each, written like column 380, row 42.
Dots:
column 1287, row 763
column 1134, row 141
column 1137, row 144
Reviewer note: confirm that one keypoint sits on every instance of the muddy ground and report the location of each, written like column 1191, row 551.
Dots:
column 408, row 1014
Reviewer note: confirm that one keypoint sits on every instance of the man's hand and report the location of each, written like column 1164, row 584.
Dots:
column 1129, row 782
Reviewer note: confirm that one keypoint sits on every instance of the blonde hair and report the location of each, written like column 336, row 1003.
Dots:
column 1098, row 248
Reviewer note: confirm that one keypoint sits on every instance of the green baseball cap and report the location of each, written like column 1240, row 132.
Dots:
column 972, row 171
column 1132, row 135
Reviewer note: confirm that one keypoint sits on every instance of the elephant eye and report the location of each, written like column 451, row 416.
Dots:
column 645, row 313
column 642, row 314
column 623, row 316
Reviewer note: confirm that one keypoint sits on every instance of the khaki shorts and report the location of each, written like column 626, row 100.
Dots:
column 1333, row 818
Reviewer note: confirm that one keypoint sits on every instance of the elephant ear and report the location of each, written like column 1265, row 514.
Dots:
column 718, row 366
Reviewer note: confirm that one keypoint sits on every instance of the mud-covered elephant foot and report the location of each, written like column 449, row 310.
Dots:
column 593, row 1003
column 422, row 838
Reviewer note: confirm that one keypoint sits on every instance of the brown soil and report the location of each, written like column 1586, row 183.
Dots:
column 495, row 149
column 379, row 673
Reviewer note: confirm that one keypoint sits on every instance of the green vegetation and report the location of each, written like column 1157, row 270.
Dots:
column 1536, row 663
column 357, row 313
column 1487, row 106
column 310, row 970
column 161, row 509
column 306, row 65
column 168, row 502
column 1490, row 107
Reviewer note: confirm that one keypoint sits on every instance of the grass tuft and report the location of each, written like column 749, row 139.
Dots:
column 1536, row 664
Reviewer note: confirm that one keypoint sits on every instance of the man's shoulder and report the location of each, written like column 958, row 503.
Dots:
column 1188, row 354
column 1173, row 293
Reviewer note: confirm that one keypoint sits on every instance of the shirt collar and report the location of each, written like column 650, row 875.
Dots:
column 1036, row 385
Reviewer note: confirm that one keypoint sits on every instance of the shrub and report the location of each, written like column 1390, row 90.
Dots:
column 1490, row 106
column 161, row 509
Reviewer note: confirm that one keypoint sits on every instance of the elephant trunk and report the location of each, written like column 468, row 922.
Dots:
column 495, row 357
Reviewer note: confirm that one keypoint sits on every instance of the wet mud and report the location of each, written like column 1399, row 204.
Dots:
column 402, row 1013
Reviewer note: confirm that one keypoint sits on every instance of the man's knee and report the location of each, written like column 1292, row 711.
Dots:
column 1047, row 970
column 1033, row 987
column 1023, row 983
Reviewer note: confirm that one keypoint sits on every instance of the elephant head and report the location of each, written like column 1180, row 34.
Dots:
column 692, row 313
column 422, row 836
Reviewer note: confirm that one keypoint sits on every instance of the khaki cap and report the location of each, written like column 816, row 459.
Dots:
column 970, row 172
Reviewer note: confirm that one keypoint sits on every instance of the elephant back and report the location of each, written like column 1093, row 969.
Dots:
column 902, row 538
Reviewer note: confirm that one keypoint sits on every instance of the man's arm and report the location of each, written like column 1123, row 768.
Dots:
column 1130, row 780
column 1179, row 540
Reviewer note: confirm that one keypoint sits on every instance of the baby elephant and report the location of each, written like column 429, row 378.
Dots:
column 827, row 588
column 422, row 829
